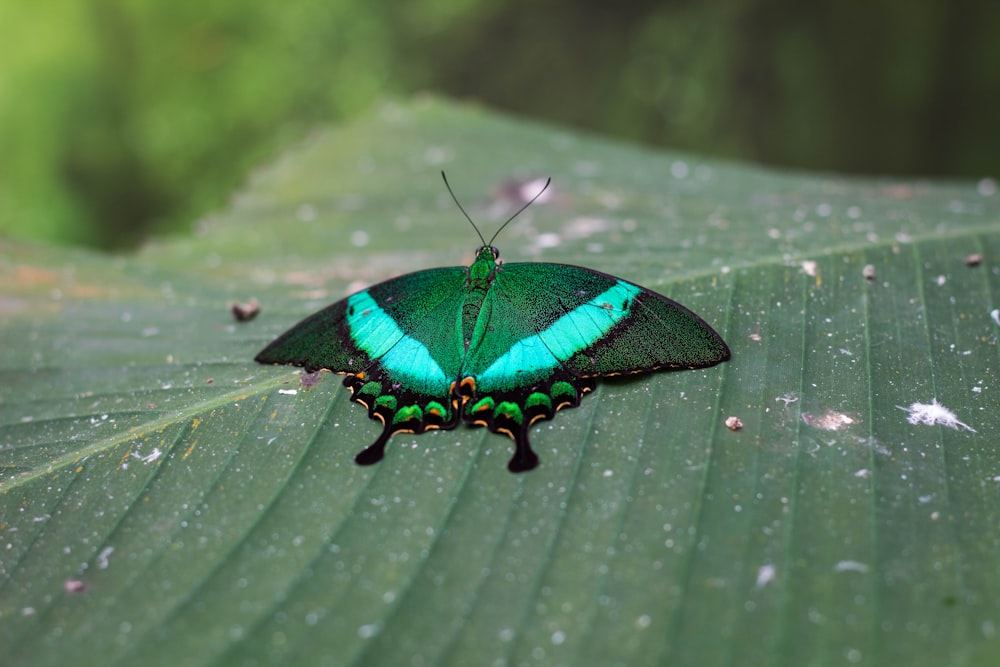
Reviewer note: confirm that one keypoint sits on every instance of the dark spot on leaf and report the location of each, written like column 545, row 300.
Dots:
column 244, row 312
column 310, row 380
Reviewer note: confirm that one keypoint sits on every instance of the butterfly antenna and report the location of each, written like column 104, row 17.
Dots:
column 459, row 205
column 521, row 210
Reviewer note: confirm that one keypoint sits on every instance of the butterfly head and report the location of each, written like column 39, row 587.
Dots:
column 487, row 253
column 482, row 270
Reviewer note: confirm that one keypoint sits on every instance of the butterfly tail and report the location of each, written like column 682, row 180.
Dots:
column 524, row 458
column 374, row 452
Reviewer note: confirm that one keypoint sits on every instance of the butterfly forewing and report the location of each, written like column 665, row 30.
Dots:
column 353, row 333
column 562, row 318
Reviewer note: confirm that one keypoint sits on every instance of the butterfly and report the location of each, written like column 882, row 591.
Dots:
column 499, row 345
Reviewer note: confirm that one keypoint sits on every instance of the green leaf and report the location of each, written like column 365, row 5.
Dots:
column 210, row 511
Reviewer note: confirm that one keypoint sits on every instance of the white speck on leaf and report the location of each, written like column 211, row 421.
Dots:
column 766, row 574
column 359, row 238
column 933, row 413
column 74, row 586
column 369, row 630
column 306, row 212
column 850, row 566
column 831, row 420
column 549, row 240
column 102, row 558
column 151, row 457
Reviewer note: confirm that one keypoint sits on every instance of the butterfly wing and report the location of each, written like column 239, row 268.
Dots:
column 398, row 342
column 354, row 333
column 554, row 327
column 548, row 318
column 641, row 330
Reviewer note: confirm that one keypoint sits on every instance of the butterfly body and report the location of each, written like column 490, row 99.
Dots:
column 495, row 345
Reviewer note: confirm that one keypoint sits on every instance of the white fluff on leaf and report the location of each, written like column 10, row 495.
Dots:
column 933, row 413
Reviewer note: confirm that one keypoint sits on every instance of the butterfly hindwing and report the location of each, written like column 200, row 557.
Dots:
column 393, row 342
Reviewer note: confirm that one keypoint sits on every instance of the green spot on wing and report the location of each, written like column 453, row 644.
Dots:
column 435, row 408
column 562, row 389
column 387, row 402
column 483, row 405
column 408, row 413
column 538, row 399
column 371, row 389
column 509, row 410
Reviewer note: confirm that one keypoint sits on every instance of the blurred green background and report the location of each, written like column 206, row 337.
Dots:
column 122, row 118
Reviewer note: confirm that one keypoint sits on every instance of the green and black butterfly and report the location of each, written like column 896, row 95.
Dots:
column 492, row 344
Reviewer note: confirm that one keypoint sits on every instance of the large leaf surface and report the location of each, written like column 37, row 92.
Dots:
column 167, row 501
